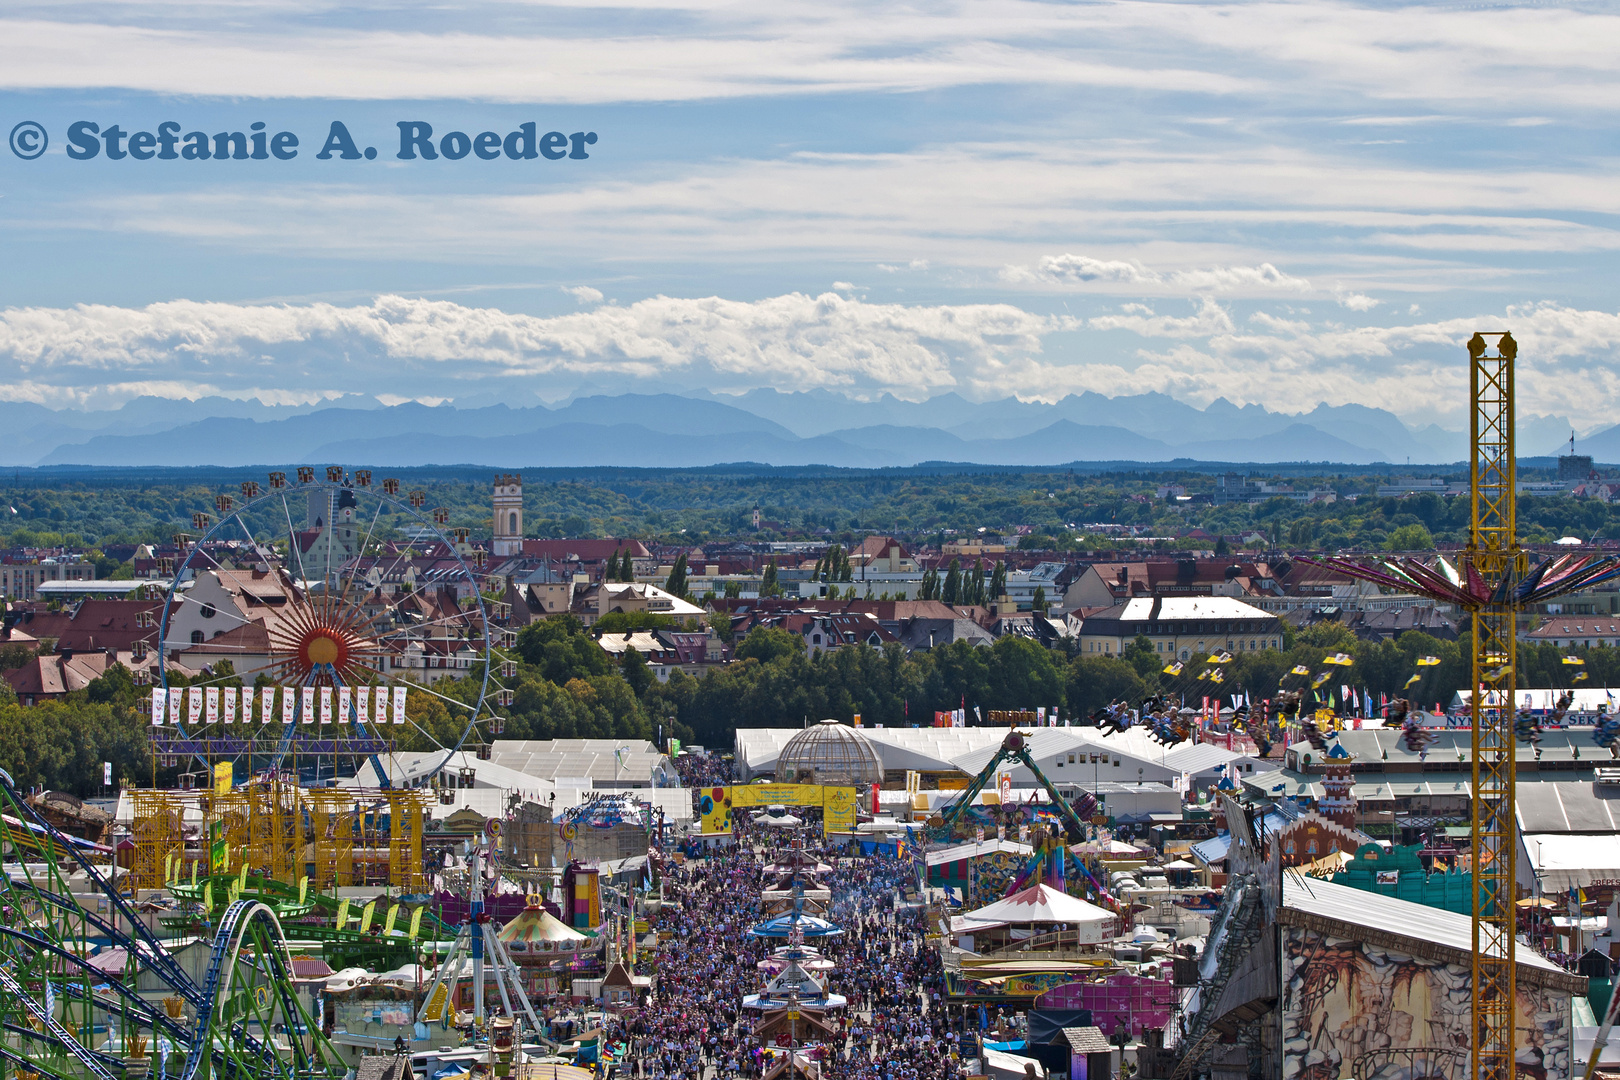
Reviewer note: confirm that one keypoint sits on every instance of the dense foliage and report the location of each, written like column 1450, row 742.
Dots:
column 568, row 687
column 1063, row 509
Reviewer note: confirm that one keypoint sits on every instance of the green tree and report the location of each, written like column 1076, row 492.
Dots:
column 1331, row 637
column 675, row 584
column 953, row 584
column 767, row 582
column 930, row 584
column 1039, row 602
column 767, row 643
column 1143, row 658
column 1410, row 538
column 635, row 671
column 1096, row 681
column 560, row 649
column 998, row 581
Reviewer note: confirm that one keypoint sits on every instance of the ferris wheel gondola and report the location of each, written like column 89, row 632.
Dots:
column 333, row 645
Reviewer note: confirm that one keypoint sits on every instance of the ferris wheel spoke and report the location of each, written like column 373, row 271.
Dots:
column 361, row 551
column 292, row 542
column 240, row 619
column 447, row 620
column 476, row 707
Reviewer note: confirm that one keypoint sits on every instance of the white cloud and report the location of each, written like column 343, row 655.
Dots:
column 407, row 347
column 1356, row 301
column 584, row 294
column 1070, row 269
column 397, row 348
column 1447, row 58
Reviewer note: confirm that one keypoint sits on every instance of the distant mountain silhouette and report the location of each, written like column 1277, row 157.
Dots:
column 764, row 426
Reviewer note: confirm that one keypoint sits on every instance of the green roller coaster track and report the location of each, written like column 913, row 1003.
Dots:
column 63, row 1019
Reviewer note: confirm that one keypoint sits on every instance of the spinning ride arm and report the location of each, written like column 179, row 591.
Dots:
column 1012, row 747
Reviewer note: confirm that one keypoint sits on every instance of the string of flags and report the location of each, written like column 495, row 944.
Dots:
column 197, row 705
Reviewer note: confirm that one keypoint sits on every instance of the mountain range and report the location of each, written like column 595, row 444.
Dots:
column 763, row 426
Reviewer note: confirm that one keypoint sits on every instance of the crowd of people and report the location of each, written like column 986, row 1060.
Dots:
column 693, row 1026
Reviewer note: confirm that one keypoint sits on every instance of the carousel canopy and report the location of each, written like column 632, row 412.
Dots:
column 536, row 926
column 784, row 925
column 1040, row 904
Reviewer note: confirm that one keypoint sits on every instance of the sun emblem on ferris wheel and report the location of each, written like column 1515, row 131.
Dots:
column 323, row 641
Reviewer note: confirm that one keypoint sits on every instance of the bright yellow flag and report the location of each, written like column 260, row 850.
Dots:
column 342, row 919
column 208, row 897
column 303, row 888
column 388, row 924
column 416, row 921
column 1428, row 661
column 365, row 916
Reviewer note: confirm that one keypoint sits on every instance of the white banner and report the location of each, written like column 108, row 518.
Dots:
column 289, row 706
column 399, row 704
column 343, row 705
column 382, row 705
column 362, row 704
column 160, row 705
column 227, row 711
column 211, row 704
column 267, row 703
column 175, row 697
column 1040, row 716
column 307, row 704
column 194, row 704
column 326, row 704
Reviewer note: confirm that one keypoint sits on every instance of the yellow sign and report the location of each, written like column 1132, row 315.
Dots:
column 776, row 795
column 714, row 810
column 416, row 921
column 223, row 776
column 839, row 815
column 434, row 1009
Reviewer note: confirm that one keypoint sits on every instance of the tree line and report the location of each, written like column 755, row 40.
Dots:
column 567, row 686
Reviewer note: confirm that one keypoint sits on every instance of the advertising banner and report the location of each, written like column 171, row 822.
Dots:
column 776, row 795
column 714, row 810
column 838, row 810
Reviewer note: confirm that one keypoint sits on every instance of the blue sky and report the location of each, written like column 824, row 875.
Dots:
column 1282, row 203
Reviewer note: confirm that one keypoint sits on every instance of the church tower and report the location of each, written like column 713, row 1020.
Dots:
column 508, row 515
column 1337, row 804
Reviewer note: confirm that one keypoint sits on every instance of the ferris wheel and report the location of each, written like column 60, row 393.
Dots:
column 327, row 620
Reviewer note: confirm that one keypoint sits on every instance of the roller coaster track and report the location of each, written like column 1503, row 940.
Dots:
column 1233, row 935
column 245, row 1001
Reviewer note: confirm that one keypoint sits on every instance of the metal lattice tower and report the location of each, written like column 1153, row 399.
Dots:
column 1493, row 552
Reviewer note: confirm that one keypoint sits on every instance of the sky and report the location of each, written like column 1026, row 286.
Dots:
column 1274, row 202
